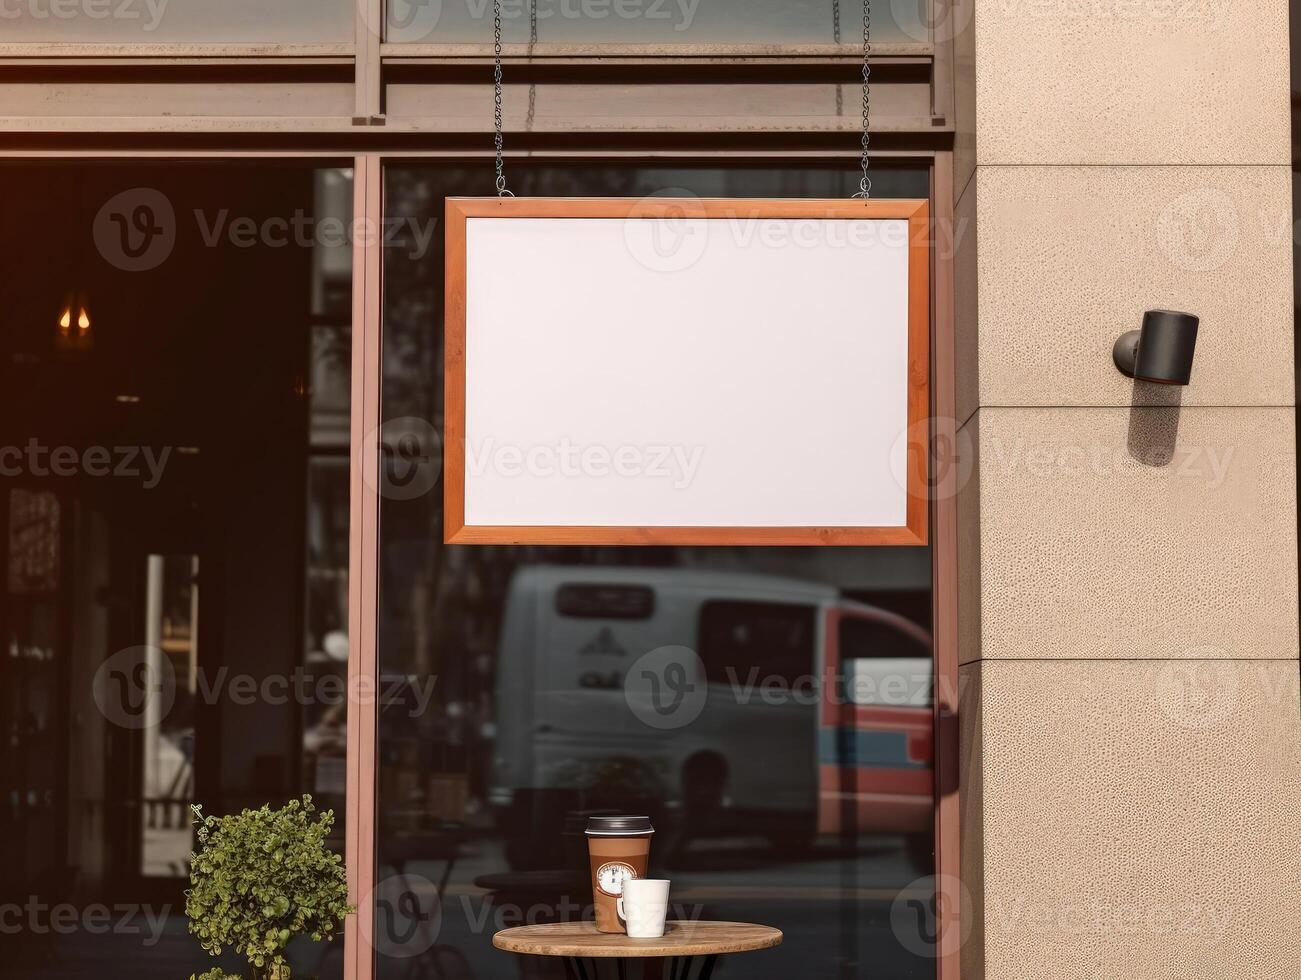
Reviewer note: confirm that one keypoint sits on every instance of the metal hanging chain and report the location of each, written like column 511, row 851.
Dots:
column 835, row 39
column 496, row 99
column 531, row 115
column 865, row 184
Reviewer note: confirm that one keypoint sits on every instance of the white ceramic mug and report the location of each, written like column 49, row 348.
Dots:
column 643, row 906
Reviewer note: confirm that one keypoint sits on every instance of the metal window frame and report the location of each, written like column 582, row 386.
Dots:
column 375, row 67
column 363, row 592
column 362, row 859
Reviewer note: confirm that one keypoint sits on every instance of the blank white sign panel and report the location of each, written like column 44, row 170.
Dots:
column 699, row 372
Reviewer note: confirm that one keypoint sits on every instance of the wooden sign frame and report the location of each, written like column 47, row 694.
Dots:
column 915, row 212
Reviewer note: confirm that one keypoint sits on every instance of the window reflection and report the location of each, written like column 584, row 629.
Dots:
column 171, row 635
column 715, row 22
column 174, row 527
column 716, row 689
column 200, row 21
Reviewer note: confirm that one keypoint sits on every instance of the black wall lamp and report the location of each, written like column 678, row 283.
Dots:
column 1162, row 351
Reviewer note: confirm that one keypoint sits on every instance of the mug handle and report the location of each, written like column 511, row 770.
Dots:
column 618, row 910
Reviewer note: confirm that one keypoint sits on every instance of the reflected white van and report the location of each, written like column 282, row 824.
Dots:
column 723, row 702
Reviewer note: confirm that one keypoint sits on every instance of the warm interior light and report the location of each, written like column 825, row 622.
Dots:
column 127, row 399
column 83, row 320
column 65, row 321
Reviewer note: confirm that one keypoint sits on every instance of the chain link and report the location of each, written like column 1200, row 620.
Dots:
column 533, row 86
column 496, row 99
column 865, row 184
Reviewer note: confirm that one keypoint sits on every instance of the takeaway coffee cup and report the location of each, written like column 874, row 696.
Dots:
column 619, row 849
column 643, row 907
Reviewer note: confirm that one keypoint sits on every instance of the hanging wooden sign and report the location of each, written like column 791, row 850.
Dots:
column 683, row 371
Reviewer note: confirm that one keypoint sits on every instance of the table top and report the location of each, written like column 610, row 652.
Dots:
column 679, row 939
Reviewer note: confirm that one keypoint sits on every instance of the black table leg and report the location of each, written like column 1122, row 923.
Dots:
column 671, row 968
column 575, row 969
column 689, row 967
column 707, row 966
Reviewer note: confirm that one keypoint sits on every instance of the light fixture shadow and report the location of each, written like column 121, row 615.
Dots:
column 1154, row 422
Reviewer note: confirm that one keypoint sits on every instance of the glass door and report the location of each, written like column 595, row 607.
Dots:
column 174, row 437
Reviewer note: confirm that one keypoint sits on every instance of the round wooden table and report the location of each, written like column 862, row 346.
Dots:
column 686, row 951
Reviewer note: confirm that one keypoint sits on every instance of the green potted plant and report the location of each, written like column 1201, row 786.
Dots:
column 261, row 877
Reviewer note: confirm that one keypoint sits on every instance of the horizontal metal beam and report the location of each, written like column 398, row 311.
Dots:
column 172, row 52
column 405, row 61
column 853, row 52
column 326, row 157
column 453, row 126
column 666, row 69
column 170, row 64
column 168, row 51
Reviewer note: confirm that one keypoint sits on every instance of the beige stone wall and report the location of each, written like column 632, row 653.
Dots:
column 1131, row 713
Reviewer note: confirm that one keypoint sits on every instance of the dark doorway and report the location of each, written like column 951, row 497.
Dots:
column 174, row 383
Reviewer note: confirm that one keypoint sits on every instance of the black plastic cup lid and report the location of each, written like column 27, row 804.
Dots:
column 618, row 826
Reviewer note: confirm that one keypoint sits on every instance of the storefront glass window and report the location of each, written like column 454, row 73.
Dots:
column 713, row 22
column 196, row 21
column 514, row 709
column 174, row 439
